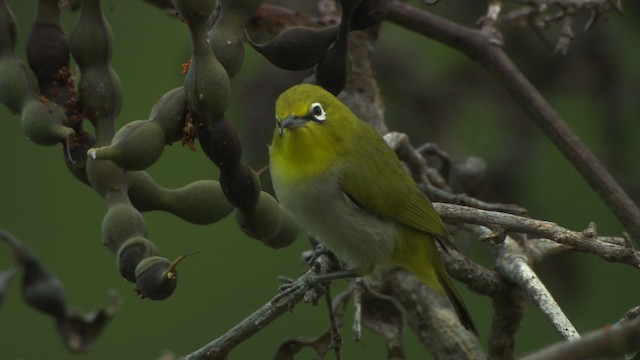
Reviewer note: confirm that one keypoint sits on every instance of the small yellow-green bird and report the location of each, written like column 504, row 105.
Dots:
column 344, row 185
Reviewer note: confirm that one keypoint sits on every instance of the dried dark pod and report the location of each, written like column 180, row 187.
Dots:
column 40, row 288
column 47, row 47
column 241, row 186
column 297, row 48
column 220, row 141
column 331, row 72
column 369, row 13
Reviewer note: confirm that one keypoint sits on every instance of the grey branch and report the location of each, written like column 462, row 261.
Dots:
column 610, row 341
column 512, row 264
column 585, row 241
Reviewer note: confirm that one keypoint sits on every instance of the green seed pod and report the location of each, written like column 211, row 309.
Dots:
column 207, row 84
column 18, row 85
column 136, row 146
column 201, row 202
column 369, row 13
column 156, row 278
column 100, row 94
column 145, row 194
column 42, row 121
column 105, row 177
column 8, row 32
column 287, row 233
column 91, row 39
column 169, row 113
column 99, row 89
column 195, row 13
column 241, row 186
column 76, row 154
column 226, row 36
column 297, row 48
column 122, row 222
column 131, row 253
column 263, row 221
column 220, row 141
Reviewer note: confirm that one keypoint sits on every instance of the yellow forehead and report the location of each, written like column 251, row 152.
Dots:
column 298, row 99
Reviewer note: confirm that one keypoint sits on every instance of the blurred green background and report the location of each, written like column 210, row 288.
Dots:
column 431, row 92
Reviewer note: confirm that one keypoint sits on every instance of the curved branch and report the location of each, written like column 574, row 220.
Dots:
column 483, row 49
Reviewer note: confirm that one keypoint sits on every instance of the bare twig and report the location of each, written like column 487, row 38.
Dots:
column 480, row 47
column 582, row 241
column 512, row 264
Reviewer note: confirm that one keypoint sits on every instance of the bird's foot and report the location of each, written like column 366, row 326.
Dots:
column 307, row 286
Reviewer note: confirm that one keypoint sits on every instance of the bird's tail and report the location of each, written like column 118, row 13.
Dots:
column 455, row 298
column 424, row 260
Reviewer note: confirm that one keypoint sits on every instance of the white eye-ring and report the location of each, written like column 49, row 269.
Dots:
column 317, row 112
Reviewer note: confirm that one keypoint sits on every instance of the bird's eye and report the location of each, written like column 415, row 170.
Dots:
column 317, row 112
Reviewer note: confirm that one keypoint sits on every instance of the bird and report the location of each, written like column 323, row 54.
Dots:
column 341, row 182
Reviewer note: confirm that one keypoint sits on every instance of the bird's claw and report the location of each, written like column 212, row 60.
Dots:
column 306, row 285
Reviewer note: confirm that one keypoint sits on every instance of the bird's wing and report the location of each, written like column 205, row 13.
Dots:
column 397, row 195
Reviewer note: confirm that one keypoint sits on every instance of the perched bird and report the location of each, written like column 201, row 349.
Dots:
column 344, row 185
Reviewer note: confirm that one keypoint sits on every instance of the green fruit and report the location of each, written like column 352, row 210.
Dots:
column 136, row 146
column 122, row 222
column 131, row 253
column 263, row 221
column 42, row 121
column 155, row 278
column 287, row 233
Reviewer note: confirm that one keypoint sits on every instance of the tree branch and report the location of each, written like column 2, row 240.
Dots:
column 431, row 317
column 610, row 341
column 512, row 264
column 585, row 241
column 482, row 48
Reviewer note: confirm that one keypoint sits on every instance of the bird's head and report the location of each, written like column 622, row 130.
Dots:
column 312, row 126
column 309, row 108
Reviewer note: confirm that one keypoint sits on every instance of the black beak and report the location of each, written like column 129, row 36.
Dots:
column 290, row 122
